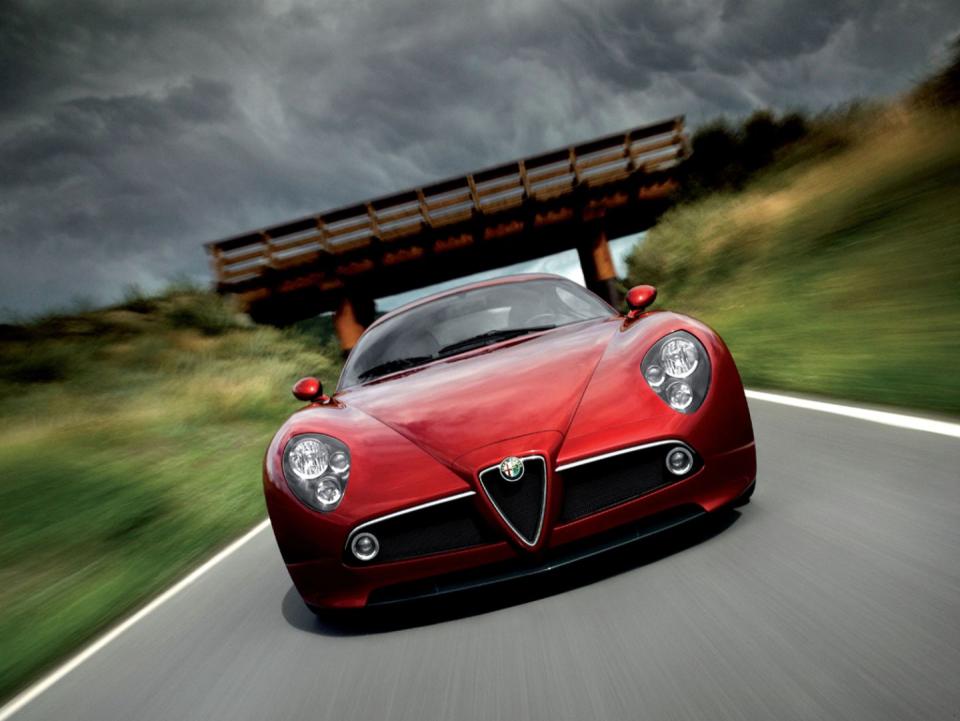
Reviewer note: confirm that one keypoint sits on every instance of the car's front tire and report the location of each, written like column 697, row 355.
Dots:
column 744, row 498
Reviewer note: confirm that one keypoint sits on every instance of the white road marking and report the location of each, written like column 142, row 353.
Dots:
column 30, row 693
column 898, row 420
column 916, row 423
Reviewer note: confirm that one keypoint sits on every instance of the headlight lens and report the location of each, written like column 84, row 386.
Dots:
column 679, row 396
column 317, row 468
column 677, row 368
column 329, row 492
column 340, row 462
column 309, row 458
column 680, row 357
column 655, row 376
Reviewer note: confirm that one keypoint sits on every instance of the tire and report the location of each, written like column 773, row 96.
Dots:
column 337, row 616
column 744, row 498
column 329, row 614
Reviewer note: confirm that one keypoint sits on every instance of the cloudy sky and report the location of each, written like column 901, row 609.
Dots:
column 132, row 132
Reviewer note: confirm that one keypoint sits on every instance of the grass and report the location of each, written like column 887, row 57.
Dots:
column 132, row 440
column 836, row 271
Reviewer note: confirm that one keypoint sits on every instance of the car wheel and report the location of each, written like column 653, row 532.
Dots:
column 744, row 498
column 327, row 615
column 336, row 616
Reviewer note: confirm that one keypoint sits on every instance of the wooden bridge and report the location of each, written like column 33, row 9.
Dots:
column 342, row 260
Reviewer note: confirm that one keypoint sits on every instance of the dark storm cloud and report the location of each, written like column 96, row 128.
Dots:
column 131, row 132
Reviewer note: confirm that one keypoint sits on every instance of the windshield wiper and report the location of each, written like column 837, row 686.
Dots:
column 392, row 366
column 492, row 336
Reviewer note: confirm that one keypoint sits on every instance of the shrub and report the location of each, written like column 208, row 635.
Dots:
column 206, row 312
column 943, row 88
column 135, row 300
column 726, row 157
column 40, row 363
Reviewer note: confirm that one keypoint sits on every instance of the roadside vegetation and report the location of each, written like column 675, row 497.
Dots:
column 130, row 444
column 831, row 263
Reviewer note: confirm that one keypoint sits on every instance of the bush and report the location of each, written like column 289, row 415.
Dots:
column 943, row 89
column 40, row 363
column 726, row 157
column 136, row 301
column 209, row 313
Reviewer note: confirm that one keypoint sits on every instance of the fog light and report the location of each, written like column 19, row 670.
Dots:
column 365, row 546
column 679, row 461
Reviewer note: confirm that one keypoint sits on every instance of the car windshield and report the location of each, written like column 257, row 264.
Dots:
column 464, row 321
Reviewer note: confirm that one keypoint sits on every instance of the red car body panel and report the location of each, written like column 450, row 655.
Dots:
column 451, row 407
column 567, row 394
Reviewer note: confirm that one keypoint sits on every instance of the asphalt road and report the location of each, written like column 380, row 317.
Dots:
column 834, row 595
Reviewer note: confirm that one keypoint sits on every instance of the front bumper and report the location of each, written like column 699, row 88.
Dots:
column 333, row 582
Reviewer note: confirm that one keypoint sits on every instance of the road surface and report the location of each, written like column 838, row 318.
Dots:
column 834, row 595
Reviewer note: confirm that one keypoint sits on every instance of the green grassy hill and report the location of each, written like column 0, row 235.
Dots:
column 836, row 269
column 131, row 447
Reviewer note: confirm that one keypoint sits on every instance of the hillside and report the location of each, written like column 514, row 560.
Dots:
column 836, row 269
column 131, row 444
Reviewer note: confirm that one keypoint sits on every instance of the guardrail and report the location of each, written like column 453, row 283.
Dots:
column 544, row 177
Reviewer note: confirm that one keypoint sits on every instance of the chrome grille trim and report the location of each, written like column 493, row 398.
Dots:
column 404, row 511
column 543, row 506
column 622, row 451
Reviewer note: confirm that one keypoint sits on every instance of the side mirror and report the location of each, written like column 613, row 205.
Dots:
column 307, row 389
column 639, row 297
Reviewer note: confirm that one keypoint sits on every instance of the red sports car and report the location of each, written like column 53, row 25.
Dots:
column 503, row 428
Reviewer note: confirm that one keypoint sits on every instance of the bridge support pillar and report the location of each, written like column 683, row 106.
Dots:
column 597, row 265
column 351, row 318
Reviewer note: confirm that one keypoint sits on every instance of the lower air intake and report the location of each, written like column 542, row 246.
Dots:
column 597, row 485
column 447, row 526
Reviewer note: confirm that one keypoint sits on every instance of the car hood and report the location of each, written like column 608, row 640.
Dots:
column 525, row 385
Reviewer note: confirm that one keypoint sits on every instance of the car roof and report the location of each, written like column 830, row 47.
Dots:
column 502, row 280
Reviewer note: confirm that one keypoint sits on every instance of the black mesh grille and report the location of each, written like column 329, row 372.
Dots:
column 601, row 484
column 487, row 576
column 443, row 527
column 519, row 502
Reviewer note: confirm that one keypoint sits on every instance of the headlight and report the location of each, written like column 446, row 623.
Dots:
column 308, row 458
column 317, row 468
column 677, row 368
column 679, row 395
column 680, row 357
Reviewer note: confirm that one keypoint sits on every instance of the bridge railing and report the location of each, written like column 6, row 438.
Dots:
column 541, row 177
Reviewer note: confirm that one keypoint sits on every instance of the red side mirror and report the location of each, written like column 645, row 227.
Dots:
column 639, row 297
column 307, row 389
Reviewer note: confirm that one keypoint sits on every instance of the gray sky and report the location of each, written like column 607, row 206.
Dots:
column 132, row 132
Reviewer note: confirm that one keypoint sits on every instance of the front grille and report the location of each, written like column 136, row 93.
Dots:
column 442, row 527
column 608, row 482
column 520, row 502
column 553, row 559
